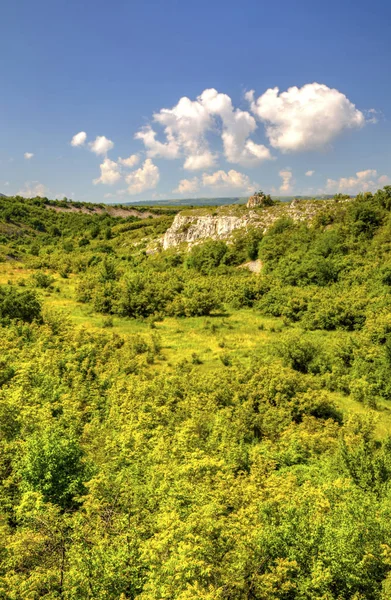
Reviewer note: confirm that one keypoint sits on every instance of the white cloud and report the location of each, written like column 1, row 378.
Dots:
column 145, row 178
column 79, row 139
column 306, row 118
column 372, row 116
column 187, row 186
column 168, row 150
column 309, row 173
column 131, row 161
column 101, row 145
column 228, row 180
column 109, row 172
column 187, row 124
column 287, row 181
column 219, row 180
column 384, row 180
column 363, row 181
column 237, row 126
column 32, row 189
column 28, row 155
column 195, row 162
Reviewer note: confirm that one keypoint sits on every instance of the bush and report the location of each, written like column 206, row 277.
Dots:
column 364, row 217
column 225, row 359
column 206, row 257
column 297, row 352
column 23, row 306
column 335, row 313
column 42, row 280
column 53, row 466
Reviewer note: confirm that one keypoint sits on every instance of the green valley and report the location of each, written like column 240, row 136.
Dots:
column 177, row 425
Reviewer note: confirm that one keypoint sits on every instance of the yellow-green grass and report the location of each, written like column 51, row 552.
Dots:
column 381, row 416
column 240, row 334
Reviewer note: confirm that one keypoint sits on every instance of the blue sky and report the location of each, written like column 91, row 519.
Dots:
column 178, row 76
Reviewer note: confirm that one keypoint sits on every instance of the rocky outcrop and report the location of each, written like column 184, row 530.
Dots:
column 259, row 199
column 191, row 229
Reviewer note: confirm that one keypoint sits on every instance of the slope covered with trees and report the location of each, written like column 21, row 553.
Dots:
column 175, row 426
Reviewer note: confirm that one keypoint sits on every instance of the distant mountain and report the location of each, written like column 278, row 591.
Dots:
column 215, row 201
column 3, row 196
column 190, row 202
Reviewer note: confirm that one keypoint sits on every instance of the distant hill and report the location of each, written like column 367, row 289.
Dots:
column 216, row 201
column 3, row 196
column 190, row 202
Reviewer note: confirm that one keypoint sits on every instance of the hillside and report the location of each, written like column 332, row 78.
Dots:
column 220, row 222
column 194, row 202
column 174, row 425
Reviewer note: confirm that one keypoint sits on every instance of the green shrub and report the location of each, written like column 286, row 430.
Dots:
column 297, row 352
column 207, row 256
column 23, row 305
column 42, row 280
column 53, row 466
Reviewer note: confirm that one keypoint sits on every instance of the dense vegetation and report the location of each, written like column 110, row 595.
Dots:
column 133, row 467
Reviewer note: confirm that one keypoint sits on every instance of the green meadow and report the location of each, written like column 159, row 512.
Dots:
column 173, row 425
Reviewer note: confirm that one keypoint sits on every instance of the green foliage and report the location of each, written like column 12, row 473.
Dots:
column 154, row 453
column 53, row 466
column 206, row 257
column 23, row 305
column 297, row 353
column 42, row 280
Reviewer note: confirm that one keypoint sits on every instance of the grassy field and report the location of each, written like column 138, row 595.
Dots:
column 232, row 337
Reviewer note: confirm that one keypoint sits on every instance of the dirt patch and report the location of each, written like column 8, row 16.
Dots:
column 113, row 211
column 255, row 266
column 131, row 212
column 74, row 209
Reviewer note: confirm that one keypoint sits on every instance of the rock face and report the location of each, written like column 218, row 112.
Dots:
column 259, row 199
column 193, row 229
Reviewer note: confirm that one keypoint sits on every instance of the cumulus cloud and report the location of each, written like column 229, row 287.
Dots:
column 28, row 155
column 32, row 189
column 363, row 181
column 287, row 181
column 145, row 178
column 309, row 173
column 109, row 173
column 186, row 126
column 187, row 186
column 79, row 139
column 219, row 180
column 306, row 118
column 372, row 116
column 237, row 126
column 384, row 180
column 169, row 150
column 130, row 162
column 228, row 180
column 195, row 162
column 101, row 145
